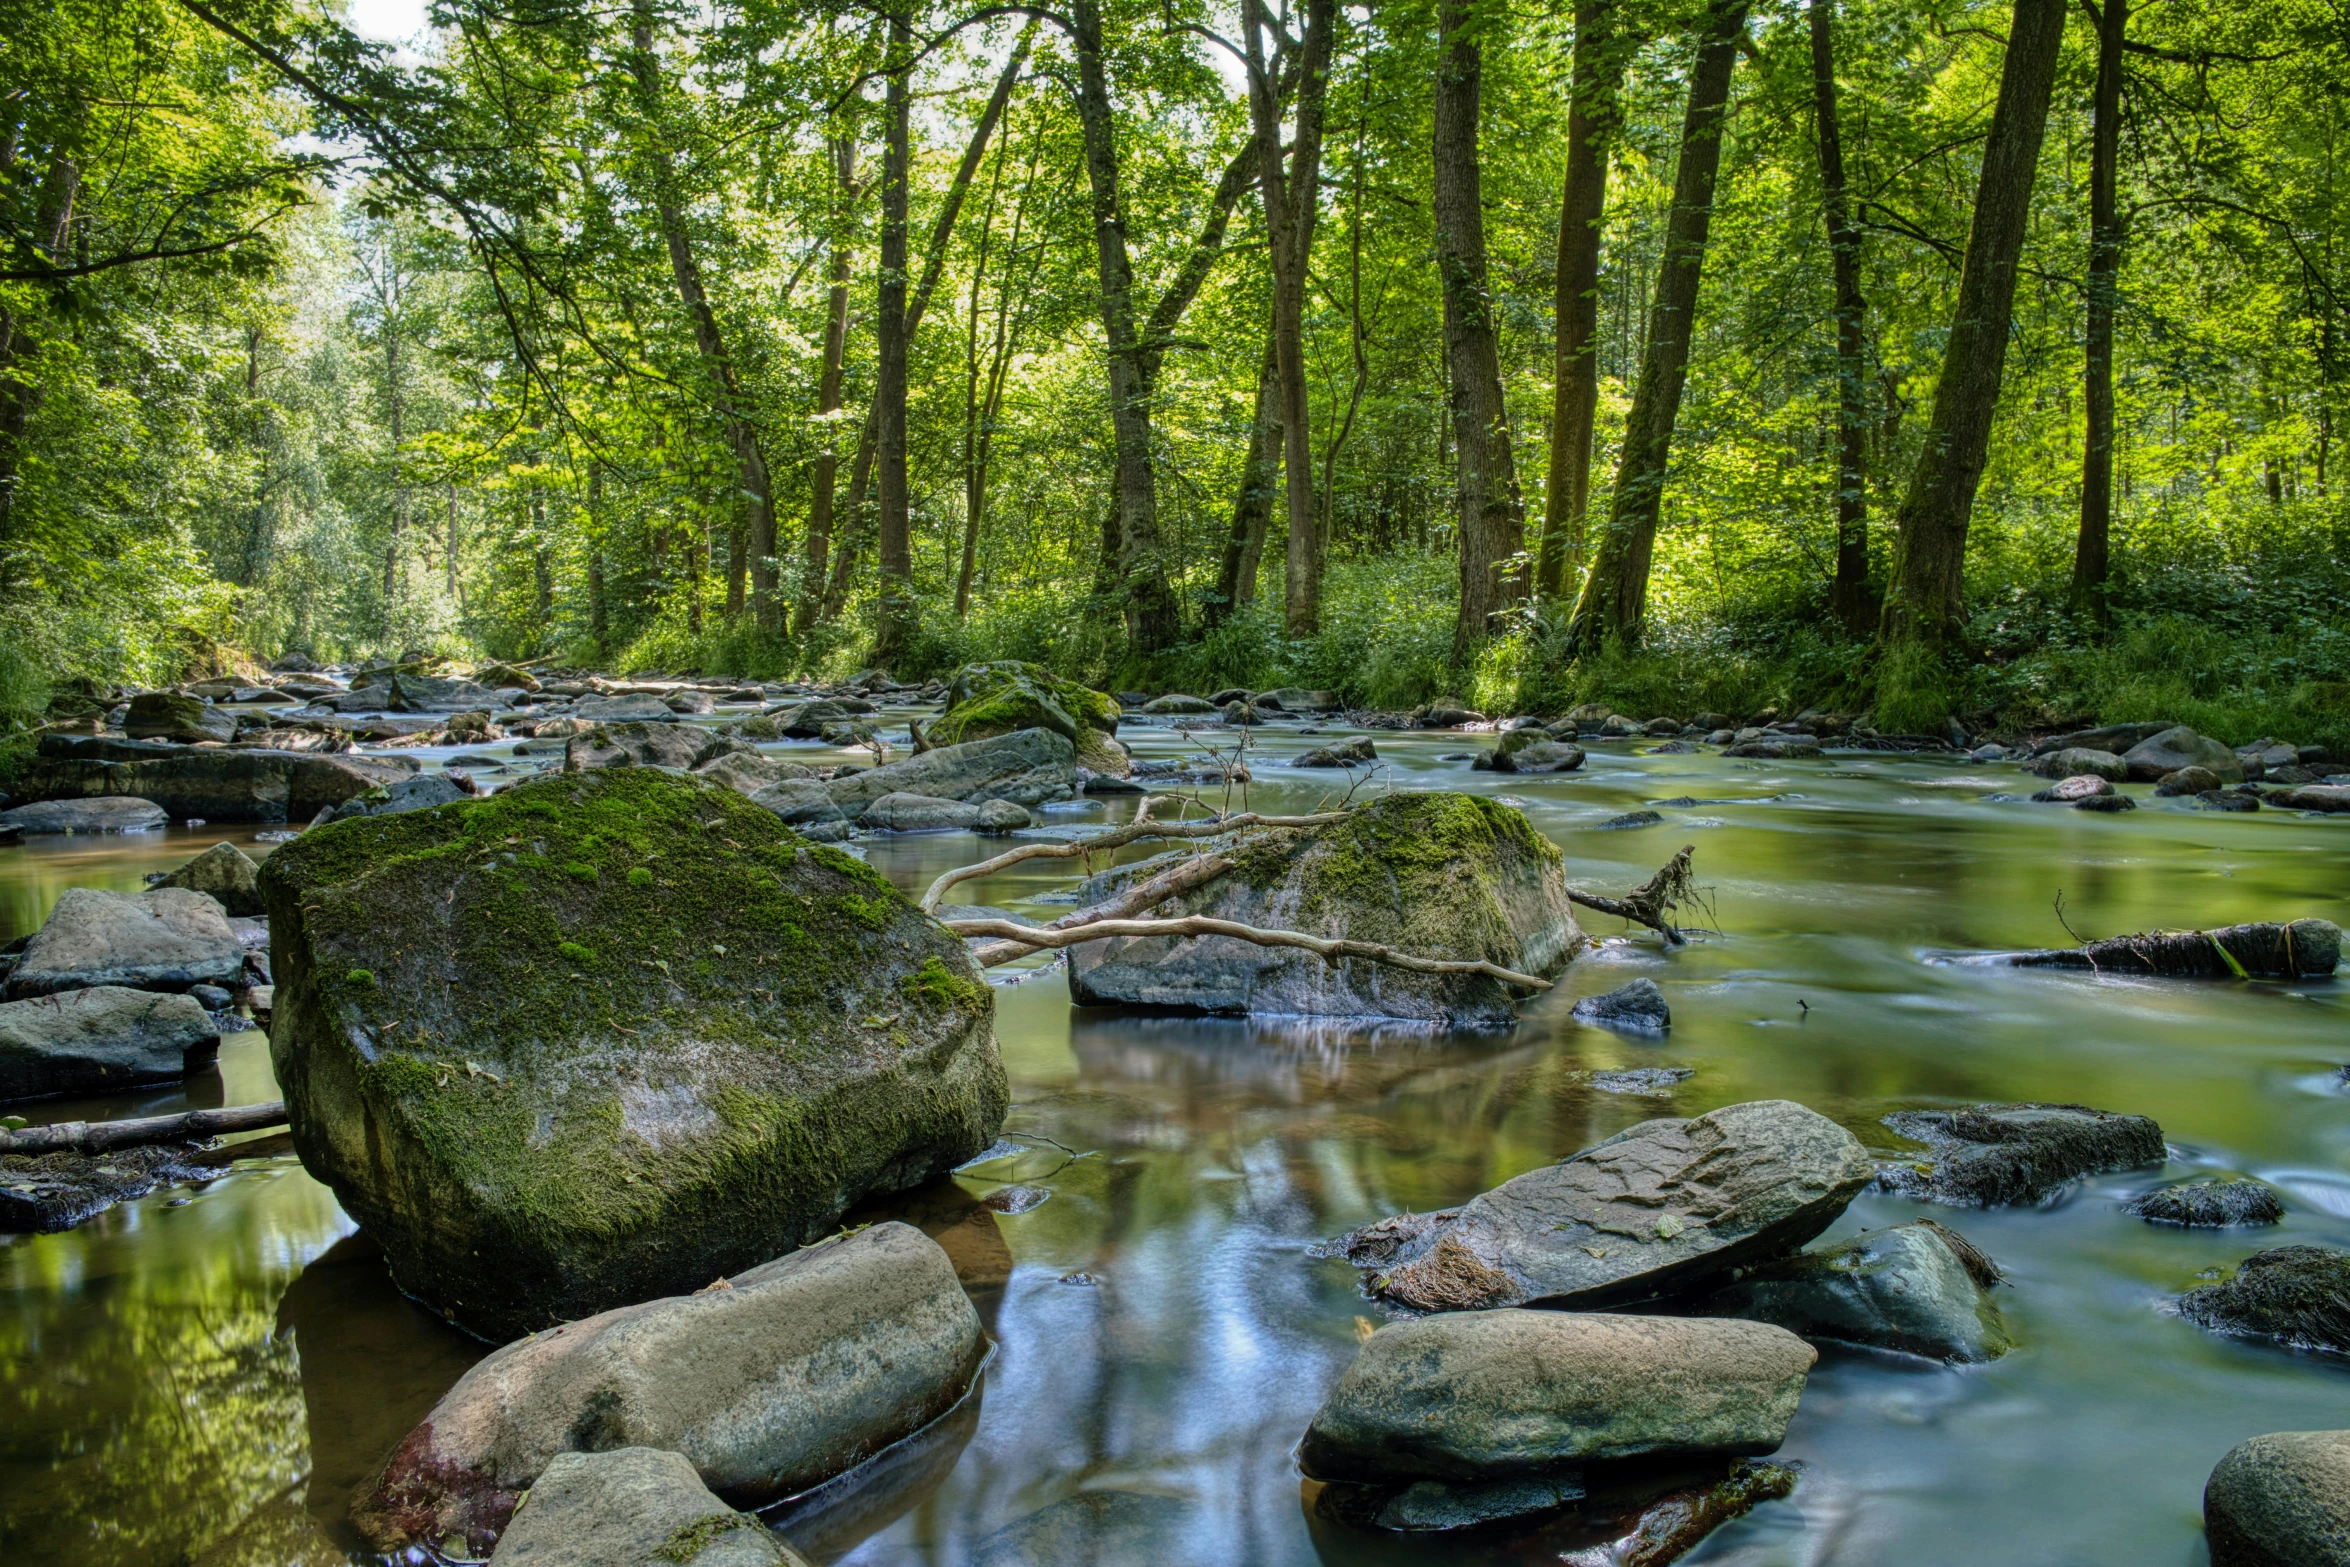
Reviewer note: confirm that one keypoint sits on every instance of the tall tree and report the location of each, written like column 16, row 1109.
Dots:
column 1615, row 595
column 1924, row 603
column 817, row 548
column 1849, row 599
column 1492, row 523
column 1594, row 112
column 896, row 620
column 2105, row 259
column 1252, row 507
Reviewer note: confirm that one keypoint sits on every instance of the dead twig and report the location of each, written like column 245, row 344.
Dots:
column 100, row 1136
column 1195, row 872
column 1141, row 828
column 1330, row 951
column 1648, row 904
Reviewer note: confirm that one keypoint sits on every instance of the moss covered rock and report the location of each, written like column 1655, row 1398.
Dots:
column 985, row 700
column 1436, row 875
column 609, row 1036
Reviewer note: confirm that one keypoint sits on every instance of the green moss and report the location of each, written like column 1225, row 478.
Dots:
column 580, row 870
column 692, row 1539
column 584, row 956
column 640, row 876
column 985, row 700
column 940, row 986
column 360, row 977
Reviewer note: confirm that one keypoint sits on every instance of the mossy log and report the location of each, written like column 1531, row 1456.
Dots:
column 2304, row 949
column 100, row 1136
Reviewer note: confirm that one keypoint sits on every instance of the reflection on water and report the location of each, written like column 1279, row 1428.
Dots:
column 206, row 1383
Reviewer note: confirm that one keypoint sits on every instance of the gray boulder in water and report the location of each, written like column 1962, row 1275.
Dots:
column 226, row 874
column 1916, row 1288
column 1026, row 767
column 769, row 1383
column 1447, row 876
column 1637, row 1008
column 173, row 715
column 108, row 813
column 2293, row 1294
column 1659, row 1209
column 2080, row 762
column 424, row 792
column 2210, row 1204
column 641, row 708
column 101, row 1040
column 2157, row 755
column 920, row 813
column 633, row 1507
column 610, row 1035
column 637, row 744
column 1992, row 1156
column 168, row 939
column 2281, row 1500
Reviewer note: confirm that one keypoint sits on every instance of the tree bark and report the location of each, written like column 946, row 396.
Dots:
column 817, row 557
column 895, row 621
column 1850, row 599
column 1594, row 112
column 1492, row 524
column 2090, row 555
column 1615, row 595
column 1244, row 542
column 1924, row 604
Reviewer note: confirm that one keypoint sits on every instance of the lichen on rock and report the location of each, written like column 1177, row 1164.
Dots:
column 986, row 700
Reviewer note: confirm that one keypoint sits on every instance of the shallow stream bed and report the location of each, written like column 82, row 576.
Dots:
column 202, row 1376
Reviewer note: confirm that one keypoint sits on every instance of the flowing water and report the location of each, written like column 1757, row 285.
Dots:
column 203, row 1376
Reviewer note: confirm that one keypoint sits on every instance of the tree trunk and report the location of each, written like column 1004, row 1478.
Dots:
column 1492, row 525
column 1924, row 604
column 1594, row 111
column 895, row 622
column 1850, row 599
column 1615, row 595
column 836, row 337
column 1244, row 543
column 449, row 559
column 394, row 412
column 2105, row 259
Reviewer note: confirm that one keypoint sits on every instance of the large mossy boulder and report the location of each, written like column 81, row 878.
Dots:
column 1436, row 875
column 608, row 1036
column 986, row 700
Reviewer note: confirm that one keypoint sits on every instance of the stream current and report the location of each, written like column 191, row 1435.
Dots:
column 203, row 1376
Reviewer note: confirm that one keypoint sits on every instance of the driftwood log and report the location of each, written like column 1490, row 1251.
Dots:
column 100, row 1136
column 2305, row 949
column 1330, row 951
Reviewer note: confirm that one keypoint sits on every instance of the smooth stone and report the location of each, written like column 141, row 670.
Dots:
column 748, row 772
column 1995, row 1156
column 769, row 1383
column 424, row 792
column 107, row 813
column 633, row 1507
column 2292, row 1294
column 1002, row 816
column 623, row 710
column 638, row 744
column 798, row 801
column 1659, row 1209
column 1489, row 1395
column 2074, row 790
column 2281, row 1500
column 224, row 872
column 1916, row 1288
column 1027, row 767
column 2328, row 798
column 1636, row 1008
column 1629, row 820
column 689, row 703
column 1177, row 704
column 919, row 813
column 166, row 939
column 1777, row 747
column 169, row 715
column 1350, row 753
column 2187, row 780
column 2077, row 762
column 101, row 1040
column 2156, row 755
column 2216, row 1202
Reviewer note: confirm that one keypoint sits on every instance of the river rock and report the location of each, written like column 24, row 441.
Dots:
column 636, row 745
column 424, row 792
column 623, row 710
column 1444, row 715
column 168, row 715
column 101, row 1040
column 2079, row 762
column 2281, row 1500
column 1543, row 756
column 2328, row 798
column 405, row 692
column 1245, row 713
column 1176, row 704
column 1301, row 699
column 1003, row 698
column 1348, row 753
column 633, row 1507
column 997, row 817
column 1437, row 875
column 1028, row 768
column 167, row 939
column 1492, row 1395
column 108, row 813
column 1916, row 1288
column 2113, row 739
column 1636, row 1008
column 921, row 813
column 2076, row 790
column 1659, row 1209
column 2187, row 780
column 1629, row 821
column 771, row 1383
column 688, row 703
column 2215, row 1202
column 2266, row 754
column 608, row 1035
column 2293, row 1294
column 1993, row 1156
column 2179, row 747
column 798, row 802
column 748, row 772
column 213, row 785
column 1776, row 747
column 226, row 874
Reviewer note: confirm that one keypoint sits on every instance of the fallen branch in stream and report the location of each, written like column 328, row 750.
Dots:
column 1330, row 951
column 1195, row 872
column 1649, row 903
column 1136, row 831
column 100, row 1136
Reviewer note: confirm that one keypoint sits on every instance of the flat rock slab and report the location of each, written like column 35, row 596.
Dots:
column 1027, row 767
column 633, row 1507
column 2281, row 1500
column 101, row 1040
column 2210, row 1204
column 54, row 1192
column 789, row 1374
column 1995, row 1156
column 218, row 784
column 2292, row 1294
column 1493, row 1395
column 1659, row 1209
column 111, row 813
column 167, row 939
column 1914, row 1288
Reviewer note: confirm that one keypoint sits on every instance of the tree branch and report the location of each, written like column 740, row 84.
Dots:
column 98, row 1137
column 1201, row 925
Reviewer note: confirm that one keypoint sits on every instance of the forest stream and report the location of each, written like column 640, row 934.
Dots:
column 203, row 1376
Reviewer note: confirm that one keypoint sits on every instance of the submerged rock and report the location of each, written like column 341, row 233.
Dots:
column 1993, row 1156
column 101, row 1040
column 1630, row 819
column 1496, row 1395
column 1095, row 1528
column 1637, row 1008
column 2304, row 949
column 1625, row 1514
column 1659, row 1209
column 113, row 813
column 1437, row 875
column 633, row 1507
column 167, row 939
column 2297, row 1295
column 988, row 700
column 1349, row 753
column 2281, row 1500
column 1916, row 1288
column 1642, row 1079
column 1776, row 747
column 769, row 1383
column 1027, row 768
column 2213, row 1203
column 609, row 1035
column 55, row 1192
